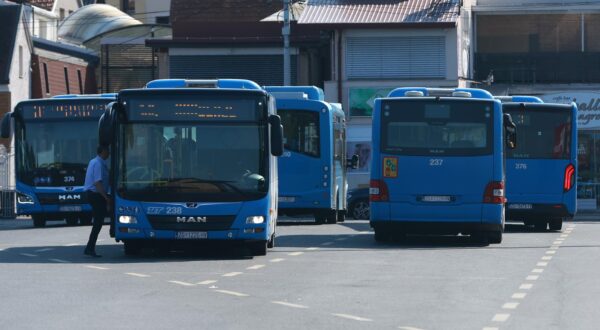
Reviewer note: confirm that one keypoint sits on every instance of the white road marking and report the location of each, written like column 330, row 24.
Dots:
column 537, row 270
column 352, row 317
column 232, row 293
column 550, row 252
column 44, row 250
column 557, row 242
column 137, row 274
column 255, row 267
column 489, row 328
column 560, row 239
column 510, row 305
column 542, row 264
column 547, row 258
column 295, row 253
column 409, row 328
column 283, row 303
column 72, row 244
column 312, row 249
column 327, row 243
column 96, row 267
column 564, row 235
column 207, row 282
column 182, row 283
column 500, row 317
column 28, row 254
column 526, row 286
column 532, row 277
column 61, row 261
column 232, row 274
column 277, row 260
column 554, row 247
column 519, row 295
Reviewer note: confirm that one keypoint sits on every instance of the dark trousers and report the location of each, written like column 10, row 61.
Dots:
column 99, row 211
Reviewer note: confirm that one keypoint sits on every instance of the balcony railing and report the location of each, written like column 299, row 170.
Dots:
column 530, row 68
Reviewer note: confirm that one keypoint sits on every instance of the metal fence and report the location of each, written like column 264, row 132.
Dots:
column 7, row 187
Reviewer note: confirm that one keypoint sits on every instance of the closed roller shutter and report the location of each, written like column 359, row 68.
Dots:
column 395, row 57
column 262, row 69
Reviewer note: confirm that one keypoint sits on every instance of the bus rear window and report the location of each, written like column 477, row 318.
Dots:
column 428, row 127
column 301, row 131
column 542, row 134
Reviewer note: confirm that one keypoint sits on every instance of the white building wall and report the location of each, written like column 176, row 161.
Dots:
column 66, row 5
column 20, row 68
column 147, row 10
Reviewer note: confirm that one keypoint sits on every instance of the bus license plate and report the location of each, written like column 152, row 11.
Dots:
column 436, row 199
column 520, row 206
column 191, row 235
column 70, row 208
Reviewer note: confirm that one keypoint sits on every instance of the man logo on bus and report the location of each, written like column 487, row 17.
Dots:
column 390, row 167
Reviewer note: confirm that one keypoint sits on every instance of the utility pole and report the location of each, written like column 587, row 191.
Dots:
column 285, row 31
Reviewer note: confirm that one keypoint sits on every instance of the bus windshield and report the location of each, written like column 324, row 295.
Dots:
column 54, row 153
column 543, row 134
column 301, row 131
column 429, row 127
column 192, row 162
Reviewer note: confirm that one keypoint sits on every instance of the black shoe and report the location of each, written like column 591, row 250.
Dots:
column 91, row 254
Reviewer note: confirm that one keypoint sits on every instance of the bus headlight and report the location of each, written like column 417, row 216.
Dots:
column 24, row 199
column 127, row 219
column 257, row 219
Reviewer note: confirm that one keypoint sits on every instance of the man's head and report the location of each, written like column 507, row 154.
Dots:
column 103, row 151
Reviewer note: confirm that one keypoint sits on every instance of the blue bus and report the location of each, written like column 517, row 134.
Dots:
column 54, row 140
column 194, row 160
column 541, row 172
column 438, row 163
column 312, row 169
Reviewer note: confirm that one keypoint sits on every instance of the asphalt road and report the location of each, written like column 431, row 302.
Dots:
column 317, row 277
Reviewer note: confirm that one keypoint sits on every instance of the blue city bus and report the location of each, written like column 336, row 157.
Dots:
column 194, row 160
column 312, row 169
column 54, row 140
column 541, row 172
column 438, row 165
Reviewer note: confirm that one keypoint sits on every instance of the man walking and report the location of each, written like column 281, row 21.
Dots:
column 97, row 187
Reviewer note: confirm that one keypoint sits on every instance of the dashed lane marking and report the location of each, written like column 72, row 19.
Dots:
column 532, row 277
column 538, row 270
column 44, row 250
column 207, row 282
column 409, row 328
column 60, row 261
column 564, row 235
column 277, row 260
column 137, row 274
column 352, row 317
column 490, row 328
column 550, row 252
column 96, row 267
column 547, row 258
column 519, row 295
column 255, row 267
column 295, row 253
column 510, row 305
column 526, row 286
column 283, row 303
column 232, row 293
column 557, row 243
column 542, row 264
column 500, row 317
column 182, row 283
column 232, row 274
column 28, row 254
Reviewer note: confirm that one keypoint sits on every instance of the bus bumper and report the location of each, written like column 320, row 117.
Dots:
column 436, row 227
column 536, row 211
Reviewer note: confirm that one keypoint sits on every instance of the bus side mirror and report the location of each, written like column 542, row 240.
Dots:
column 276, row 135
column 5, row 127
column 510, row 130
column 353, row 162
column 106, row 125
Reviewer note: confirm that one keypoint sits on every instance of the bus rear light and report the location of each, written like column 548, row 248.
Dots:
column 569, row 178
column 378, row 191
column 494, row 193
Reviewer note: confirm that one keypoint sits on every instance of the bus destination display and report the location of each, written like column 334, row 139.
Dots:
column 70, row 110
column 182, row 109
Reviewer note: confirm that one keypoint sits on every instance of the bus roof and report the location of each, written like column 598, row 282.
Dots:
column 215, row 83
column 519, row 99
column 452, row 92
column 73, row 96
column 312, row 93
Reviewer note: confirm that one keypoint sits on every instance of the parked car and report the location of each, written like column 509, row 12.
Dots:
column 358, row 204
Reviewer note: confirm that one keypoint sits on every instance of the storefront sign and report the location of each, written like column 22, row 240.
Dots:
column 588, row 104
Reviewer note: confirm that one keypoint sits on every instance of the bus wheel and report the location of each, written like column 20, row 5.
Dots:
column 132, row 248
column 332, row 216
column 556, row 224
column 271, row 243
column 39, row 221
column 258, row 248
column 382, row 235
column 72, row 221
column 320, row 217
column 85, row 220
column 540, row 225
column 481, row 238
column 495, row 237
column 341, row 216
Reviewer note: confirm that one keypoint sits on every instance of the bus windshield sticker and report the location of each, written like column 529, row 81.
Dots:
column 390, row 167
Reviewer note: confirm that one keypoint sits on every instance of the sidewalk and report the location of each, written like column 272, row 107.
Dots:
column 587, row 216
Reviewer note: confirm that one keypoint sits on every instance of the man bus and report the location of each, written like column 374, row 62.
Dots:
column 194, row 160
column 312, row 169
column 54, row 139
column 541, row 171
column 438, row 163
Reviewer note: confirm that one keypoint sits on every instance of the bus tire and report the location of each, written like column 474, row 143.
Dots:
column 540, row 225
column 132, row 248
column 332, row 217
column 258, row 248
column 39, row 221
column 382, row 235
column 480, row 238
column 271, row 242
column 341, row 216
column 85, row 220
column 72, row 221
column 556, row 224
column 320, row 217
column 495, row 237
